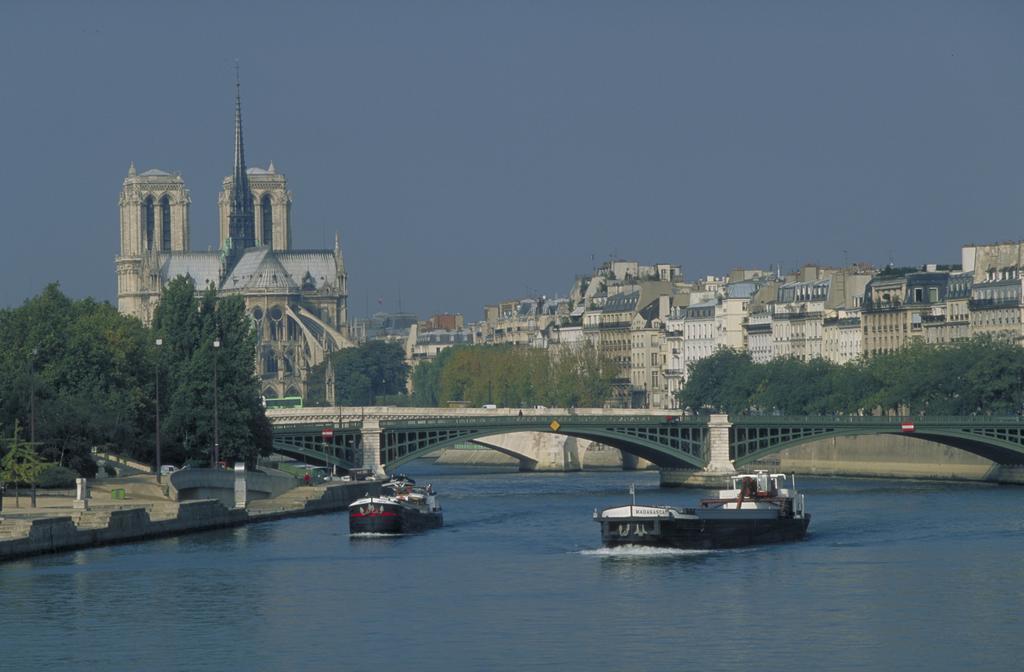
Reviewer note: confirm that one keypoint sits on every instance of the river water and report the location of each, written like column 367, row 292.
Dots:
column 894, row 575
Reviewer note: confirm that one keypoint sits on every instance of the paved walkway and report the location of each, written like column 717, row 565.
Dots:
column 140, row 490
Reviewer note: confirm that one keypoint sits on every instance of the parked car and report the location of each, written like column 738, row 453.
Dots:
column 167, row 469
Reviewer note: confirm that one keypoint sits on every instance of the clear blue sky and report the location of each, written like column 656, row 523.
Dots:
column 475, row 151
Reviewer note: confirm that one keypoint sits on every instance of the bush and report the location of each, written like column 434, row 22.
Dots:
column 56, row 476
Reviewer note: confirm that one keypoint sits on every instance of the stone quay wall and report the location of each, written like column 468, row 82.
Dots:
column 23, row 537
column 869, row 456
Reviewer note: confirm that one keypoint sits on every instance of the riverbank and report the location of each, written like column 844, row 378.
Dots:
column 55, row 526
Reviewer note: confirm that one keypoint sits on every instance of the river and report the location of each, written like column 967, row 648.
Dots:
column 894, row 575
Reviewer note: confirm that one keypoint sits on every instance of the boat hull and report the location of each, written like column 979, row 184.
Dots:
column 699, row 532
column 390, row 518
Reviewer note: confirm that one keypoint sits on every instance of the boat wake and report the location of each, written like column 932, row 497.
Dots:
column 375, row 535
column 629, row 551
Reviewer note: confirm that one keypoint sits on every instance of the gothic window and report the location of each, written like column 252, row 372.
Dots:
column 268, row 220
column 276, row 328
column 165, row 223
column 148, row 216
column 269, row 362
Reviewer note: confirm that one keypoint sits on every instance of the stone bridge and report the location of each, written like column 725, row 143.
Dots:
column 712, row 446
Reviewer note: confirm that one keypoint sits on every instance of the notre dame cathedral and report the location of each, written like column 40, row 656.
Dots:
column 297, row 298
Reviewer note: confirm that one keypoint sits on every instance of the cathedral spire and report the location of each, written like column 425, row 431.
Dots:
column 241, row 215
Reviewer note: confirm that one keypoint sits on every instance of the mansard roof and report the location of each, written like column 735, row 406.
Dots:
column 620, row 303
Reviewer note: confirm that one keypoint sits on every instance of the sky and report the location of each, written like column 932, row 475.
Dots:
column 478, row 151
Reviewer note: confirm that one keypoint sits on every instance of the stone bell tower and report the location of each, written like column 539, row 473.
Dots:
column 154, row 219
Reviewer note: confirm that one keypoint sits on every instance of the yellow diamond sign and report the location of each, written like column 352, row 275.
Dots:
column 554, row 425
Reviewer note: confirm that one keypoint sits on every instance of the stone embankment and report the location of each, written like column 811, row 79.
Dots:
column 27, row 532
column 882, row 456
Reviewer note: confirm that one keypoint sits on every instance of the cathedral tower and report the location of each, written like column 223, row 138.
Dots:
column 273, row 207
column 154, row 220
column 255, row 204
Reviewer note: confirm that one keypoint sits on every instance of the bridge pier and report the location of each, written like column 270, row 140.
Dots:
column 370, row 432
column 719, row 468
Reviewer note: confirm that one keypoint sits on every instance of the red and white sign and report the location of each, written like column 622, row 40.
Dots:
column 907, row 426
column 327, row 432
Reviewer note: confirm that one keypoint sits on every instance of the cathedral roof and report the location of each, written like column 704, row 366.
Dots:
column 155, row 172
column 311, row 269
column 203, row 267
column 259, row 268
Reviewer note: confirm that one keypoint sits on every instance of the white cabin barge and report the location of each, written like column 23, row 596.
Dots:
column 757, row 509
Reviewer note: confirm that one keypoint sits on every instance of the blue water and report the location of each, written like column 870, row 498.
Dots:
column 894, row 575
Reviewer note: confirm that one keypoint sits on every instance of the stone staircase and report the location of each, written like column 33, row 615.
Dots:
column 14, row 528
column 297, row 498
column 91, row 520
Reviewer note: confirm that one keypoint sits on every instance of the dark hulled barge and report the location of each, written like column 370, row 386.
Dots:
column 401, row 508
column 757, row 509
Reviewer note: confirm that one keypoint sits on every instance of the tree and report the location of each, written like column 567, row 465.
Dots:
column 364, row 374
column 20, row 464
column 724, row 382
column 188, row 327
column 81, row 362
column 513, row 376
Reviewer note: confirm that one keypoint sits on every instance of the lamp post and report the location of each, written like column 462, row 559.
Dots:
column 216, row 419
column 32, row 410
column 159, row 342
column 32, row 395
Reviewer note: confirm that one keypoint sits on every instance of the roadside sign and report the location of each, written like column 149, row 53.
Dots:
column 327, row 433
column 554, row 425
column 907, row 427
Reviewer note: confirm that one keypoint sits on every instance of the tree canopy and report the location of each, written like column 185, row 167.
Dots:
column 514, row 376
column 92, row 374
column 365, row 375
column 975, row 376
column 188, row 327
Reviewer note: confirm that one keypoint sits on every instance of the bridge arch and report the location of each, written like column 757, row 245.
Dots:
column 673, row 442
column 1000, row 440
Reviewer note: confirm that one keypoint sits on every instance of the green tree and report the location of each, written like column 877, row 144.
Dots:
column 81, row 362
column 514, row 376
column 20, row 464
column 189, row 327
column 725, row 382
column 366, row 374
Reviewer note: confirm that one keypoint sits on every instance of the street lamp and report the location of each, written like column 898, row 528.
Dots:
column 159, row 342
column 32, row 410
column 216, row 420
column 32, row 395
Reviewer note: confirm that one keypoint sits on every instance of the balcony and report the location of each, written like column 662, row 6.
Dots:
column 990, row 304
